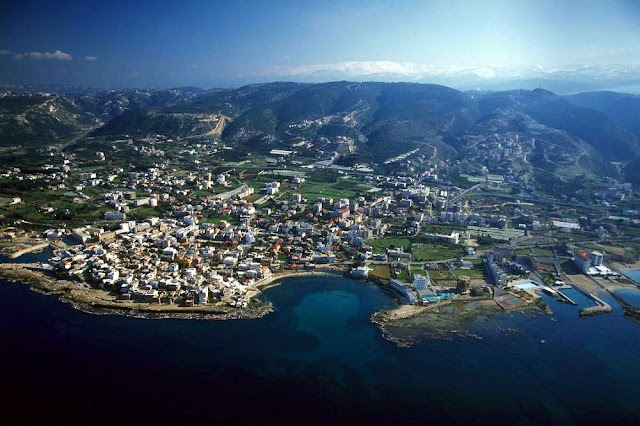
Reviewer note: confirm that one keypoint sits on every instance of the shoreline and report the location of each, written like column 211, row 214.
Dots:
column 84, row 298
column 90, row 300
column 31, row 249
column 274, row 279
column 625, row 267
column 81, row 296
column 406, row 325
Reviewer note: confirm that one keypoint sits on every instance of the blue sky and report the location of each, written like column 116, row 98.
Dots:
column 210, row 43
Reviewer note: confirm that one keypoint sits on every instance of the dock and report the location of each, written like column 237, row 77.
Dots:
column 601, row 307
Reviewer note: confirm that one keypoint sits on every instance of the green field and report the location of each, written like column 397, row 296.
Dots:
column 496, row 234
column 145, row 212
column 215, row 218
column 417, row 269
column 312, row 190
column 471, row 273
column 380, row 245
column 543, row 252
column 93, row 191
column 380, row 271
column 429, row 252
column 403, row 275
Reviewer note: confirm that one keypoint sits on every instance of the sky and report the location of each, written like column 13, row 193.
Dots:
column 220, row 43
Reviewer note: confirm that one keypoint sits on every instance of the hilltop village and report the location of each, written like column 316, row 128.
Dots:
column 190, row 231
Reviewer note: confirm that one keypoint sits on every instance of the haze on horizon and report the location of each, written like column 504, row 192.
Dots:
column 214, row 43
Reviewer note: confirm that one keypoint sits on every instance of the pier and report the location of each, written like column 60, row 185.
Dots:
column 601, row 307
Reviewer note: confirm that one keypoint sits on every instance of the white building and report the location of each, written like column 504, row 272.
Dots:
column 360, row 271
column 453, row 238
column 590, row 263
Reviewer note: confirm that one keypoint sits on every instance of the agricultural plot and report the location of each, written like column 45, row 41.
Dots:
column 429, row 252
column 312, row 190
column 471, row 273
column 542, row 252
column 380, row 245
column 380, row 271
column 495, row 233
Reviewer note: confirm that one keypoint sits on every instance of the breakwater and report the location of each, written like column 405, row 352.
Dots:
column 602, row 307
column 628, row 310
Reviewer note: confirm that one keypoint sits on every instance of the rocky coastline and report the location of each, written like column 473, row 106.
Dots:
column 86, row 299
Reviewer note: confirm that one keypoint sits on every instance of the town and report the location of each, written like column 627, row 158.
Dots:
column 189, row 230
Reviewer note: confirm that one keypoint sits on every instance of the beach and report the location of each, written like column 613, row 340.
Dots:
column 622, row 267
column 273, row 279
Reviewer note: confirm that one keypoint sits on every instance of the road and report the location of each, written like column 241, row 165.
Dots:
column 460, row 196
column 76, row 139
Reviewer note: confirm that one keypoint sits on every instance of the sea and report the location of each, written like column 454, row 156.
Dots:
column 634, row 274
column 316, row 359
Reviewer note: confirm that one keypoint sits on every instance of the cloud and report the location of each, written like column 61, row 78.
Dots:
column 377, row 69
column 4, row 52
column 90, row 58
column 394, row 71
column 357, row 68
column 56, row 54
column 450, row 75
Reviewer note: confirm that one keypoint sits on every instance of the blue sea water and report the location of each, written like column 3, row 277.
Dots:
column 40, row 256
column 631, row 296
column 634, row 275
column 581, row 299
column 316, row 359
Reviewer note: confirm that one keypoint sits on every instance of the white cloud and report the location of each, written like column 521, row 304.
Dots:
column 56, row 54
column 364, row 68
column 450, row 75
column 90, row 58
column 394, row 71
column 4, row 52
column 355, row 68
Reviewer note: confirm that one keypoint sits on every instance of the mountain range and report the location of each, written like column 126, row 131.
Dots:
column 570, row 79
column 361, row 122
